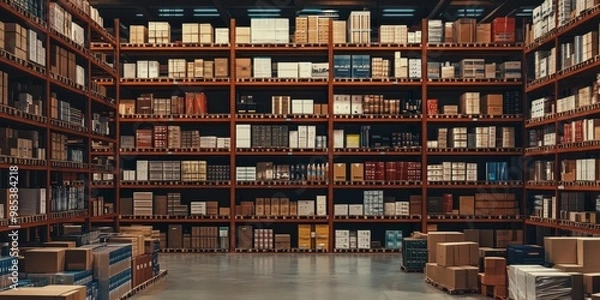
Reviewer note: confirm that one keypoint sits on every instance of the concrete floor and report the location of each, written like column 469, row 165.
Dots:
column 289, row 277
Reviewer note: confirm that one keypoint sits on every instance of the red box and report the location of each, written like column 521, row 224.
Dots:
column 504, row 30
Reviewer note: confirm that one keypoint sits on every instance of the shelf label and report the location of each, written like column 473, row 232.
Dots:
column 382, row 153
column 561, row 187
column 288, row 119
column 171, row 119
column 475, row 119
column 290, row 153
column 175, row 82
column 169, row 152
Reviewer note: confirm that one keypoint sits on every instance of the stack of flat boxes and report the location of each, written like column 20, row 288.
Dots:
column 393, row 34
column 380, row 68
column 373, row 203
column 510, row 70
column 459, row 137
column 283, row 241
column 342, row 239
column 206, row 238
column 143, row 138
column 159, row 32
column 472, row 68
column 245, row 173
column 206, row 34
column 447, row 171
column 262, row 67
column 400, row 65
column 138, row 34
column 160, row 137
column 435, row 31
column 470, row 103
column 142, row 204
column 269, row 31
column 312, row 29
column 414, row 68
column 59, row 149
column 174, row 206
column 263, row 239
column 496, row 204
column 359, row 27
column 339, row 32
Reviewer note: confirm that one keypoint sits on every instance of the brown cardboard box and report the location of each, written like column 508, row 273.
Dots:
column 472, row 277
column 221, row 68
column 494, row 271
column 78, row 259
column 59, row 244
column 492, row 104
column 50, row 292
column 45, row 260
column 357, row 172
column 433, row 238
column 561, row 250
column 339, row 172
column 484, row 33
column 587, row 252
column 467, row 205
column 591, row 283
column 458, row 254
column 243, row 67
column 175, row 236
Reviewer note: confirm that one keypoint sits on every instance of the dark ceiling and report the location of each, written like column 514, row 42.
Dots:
column 383, row 11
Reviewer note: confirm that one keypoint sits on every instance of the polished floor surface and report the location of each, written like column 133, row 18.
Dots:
column 288, row 276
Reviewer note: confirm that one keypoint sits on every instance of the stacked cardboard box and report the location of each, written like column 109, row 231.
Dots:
column 359, row 27
column 269, row 31
column 456, row 263
column 138, row 34
column 312, row 29
column 314, row 237
column 59, row 292
column 339, row 32
column 159, row 32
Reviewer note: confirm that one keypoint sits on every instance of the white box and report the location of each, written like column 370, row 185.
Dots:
column 243, row 136
column 342, row 239
column 357, row 105
column 142, row 170
column 297, row 107
column 153, row 69
column 304, row 70
column 338, row 139
column 198, row 208
column 287, row 70
column 306, row 207
column 389, row 209
column 262, row 67
column 321, row 205
column 355, row 210
column 142, row 69
column 311, row 137
column 308, row 106
column 293, row 135
column 221, row 35
column 340, row 210
column 80, row 75
column 364, row 239
column 129, row 71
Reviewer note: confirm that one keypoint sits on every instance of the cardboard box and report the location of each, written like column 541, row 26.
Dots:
column 587, row 254
column 50, row 292
column 339, row 172
column 591, row 283
column 78, row 259
column 467, row 205
column 433, row 238
column 357, row 172
column 45, row 260
column 561, row 250
column 457, row 254
column 472, row 235
column 60, row 244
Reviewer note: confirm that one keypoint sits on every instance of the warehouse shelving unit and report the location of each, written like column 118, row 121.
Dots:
column 570, row 77
column 330, row 85
column 45, row 173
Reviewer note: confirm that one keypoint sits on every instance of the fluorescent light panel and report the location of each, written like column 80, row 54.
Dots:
column 263, row 15
column 398, row 15
column 170, row 10
column 170, row 15
column 264, row 10
column 399, row 10
column 205, row 10
column 207, row 15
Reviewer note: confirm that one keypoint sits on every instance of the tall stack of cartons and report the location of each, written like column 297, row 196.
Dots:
column 359, row 27
column 456, row 264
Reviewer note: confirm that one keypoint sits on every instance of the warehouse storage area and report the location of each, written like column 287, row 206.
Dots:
column 329, row 149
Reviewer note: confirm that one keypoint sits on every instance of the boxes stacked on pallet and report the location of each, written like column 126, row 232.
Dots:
column 112, row 269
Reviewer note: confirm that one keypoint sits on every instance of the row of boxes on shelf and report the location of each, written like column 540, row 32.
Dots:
column 148, row 104
column 374, row 104
column 580, row 98
column 24, row 44
column 362, row 239
column 375, row 203
column 36, row 204
column 543, row 136
column 148, row 204
column 191, row 33
column 542, row 171
column 580, row 131
column 264, row 67
column 283, row 207
column 268, row 171
column 67, row 198
column 475, row 138
column 276, row 136
column 21, row 143
column 480, row 204
column 310, row 237
column 545, row 63
column 313, row 30
column 576, row 170
column 467, row 30
column 281, row 105
column 377, row 171
column 581, row 48
column 34, row 7
column 66, row 149
column 476, row 68
column 186, row 171
column 472, row 103
column 59, row 16
column 369, row 138
column 570, row 206
column 100, row 207
column 64, row 63
column 363, row 66
column 199, row 238
column 172, row 137
column 549, row 15
column 463, row 171
column 177, row 68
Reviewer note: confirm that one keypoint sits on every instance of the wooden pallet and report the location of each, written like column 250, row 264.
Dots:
column 281, row 80
column 376, row 116
column 179, row 250
column 145, row 285
column 450, row 290
column 281, row 217
column 281, row 183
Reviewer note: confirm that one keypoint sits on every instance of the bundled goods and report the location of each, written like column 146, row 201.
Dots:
column 414, row 254
column 456, row 264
